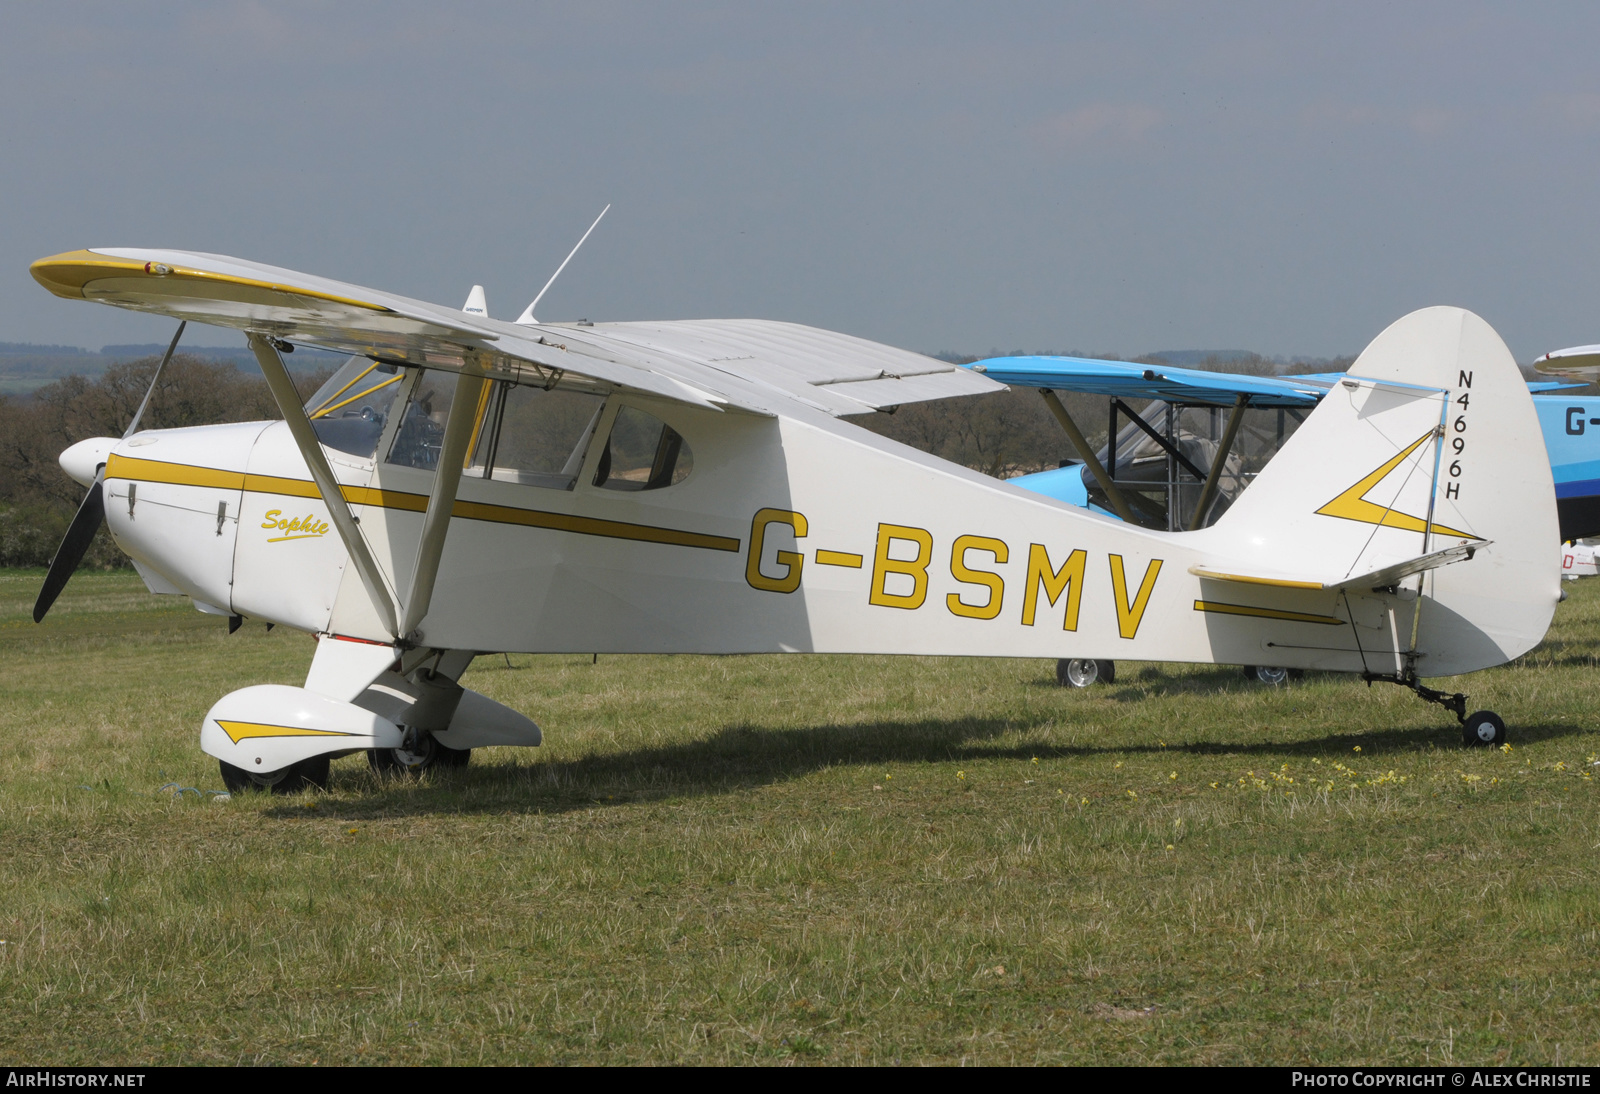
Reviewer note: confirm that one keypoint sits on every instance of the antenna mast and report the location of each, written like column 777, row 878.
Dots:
column 527, row 313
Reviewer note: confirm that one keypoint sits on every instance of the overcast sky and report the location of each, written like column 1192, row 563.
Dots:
column 1287, row 178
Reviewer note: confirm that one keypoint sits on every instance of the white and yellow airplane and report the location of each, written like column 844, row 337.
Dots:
column 465, row 485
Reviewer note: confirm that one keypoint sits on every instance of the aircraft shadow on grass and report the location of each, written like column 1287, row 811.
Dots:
column 743, row 757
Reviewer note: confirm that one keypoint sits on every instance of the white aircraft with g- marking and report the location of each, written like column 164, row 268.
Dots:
column 466, row 485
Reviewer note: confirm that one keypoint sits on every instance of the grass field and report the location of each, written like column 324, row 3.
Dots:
column 787, row 859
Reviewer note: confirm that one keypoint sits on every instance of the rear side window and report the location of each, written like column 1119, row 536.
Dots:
column 642, row 453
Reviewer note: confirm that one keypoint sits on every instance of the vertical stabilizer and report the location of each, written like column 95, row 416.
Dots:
column 1430, row 442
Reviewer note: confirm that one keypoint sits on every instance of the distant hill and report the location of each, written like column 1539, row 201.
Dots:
column 1196, row 358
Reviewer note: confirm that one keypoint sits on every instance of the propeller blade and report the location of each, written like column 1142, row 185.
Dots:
column 154, row 380
column 80, row 533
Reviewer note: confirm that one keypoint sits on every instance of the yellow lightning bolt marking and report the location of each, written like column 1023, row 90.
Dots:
column 238, row 731
column 1353, row 505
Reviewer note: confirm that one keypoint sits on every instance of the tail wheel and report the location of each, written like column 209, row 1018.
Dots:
column 286, row 780
column 1081, row 672
column 1485, row 729
column 426, row 752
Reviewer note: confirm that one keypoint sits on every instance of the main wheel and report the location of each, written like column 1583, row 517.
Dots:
column 413, row 761
column 286, row 780
column 1270, row 675
column 1484, row 729
column 1080, row 672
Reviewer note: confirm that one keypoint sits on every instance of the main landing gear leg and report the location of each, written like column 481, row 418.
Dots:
column 1480, row 729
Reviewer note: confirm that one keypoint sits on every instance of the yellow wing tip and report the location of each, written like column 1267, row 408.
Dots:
column 67, row 273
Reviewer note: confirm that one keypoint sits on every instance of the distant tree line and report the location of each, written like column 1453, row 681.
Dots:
column 1005, row 434
column 38, row 500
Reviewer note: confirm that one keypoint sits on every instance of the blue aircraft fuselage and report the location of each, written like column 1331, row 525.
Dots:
column 1572, row 440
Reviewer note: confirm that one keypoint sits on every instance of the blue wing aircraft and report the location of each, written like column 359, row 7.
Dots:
column 1187, row 465
column 1571, row 427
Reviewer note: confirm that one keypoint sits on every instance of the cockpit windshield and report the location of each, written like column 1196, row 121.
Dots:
column 348, row 412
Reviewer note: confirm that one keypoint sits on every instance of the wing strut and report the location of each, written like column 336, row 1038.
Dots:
column 1235, row 420
column 305, row 438
column 1165, row 445
column 1081, row 443
column 458, row 430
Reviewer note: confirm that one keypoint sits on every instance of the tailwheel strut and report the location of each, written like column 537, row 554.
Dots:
column 1478, row 729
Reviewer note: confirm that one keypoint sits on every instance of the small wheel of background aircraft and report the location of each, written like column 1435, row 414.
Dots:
column 1082, row 672
column 466, row 485
column 1270, row 675
column 1079, row 672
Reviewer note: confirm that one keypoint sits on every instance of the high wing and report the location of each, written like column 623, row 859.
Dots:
column 759, row 366
column 1580, row 363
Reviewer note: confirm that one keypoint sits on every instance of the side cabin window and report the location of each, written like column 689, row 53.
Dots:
column 533, row 437
column 420, row 438
column 642, row 453
column 349, row 411
column 520, row 434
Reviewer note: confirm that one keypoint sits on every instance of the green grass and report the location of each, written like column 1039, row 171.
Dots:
column 788, row 859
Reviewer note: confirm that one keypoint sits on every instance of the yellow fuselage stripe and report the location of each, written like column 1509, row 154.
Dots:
column 137, row 470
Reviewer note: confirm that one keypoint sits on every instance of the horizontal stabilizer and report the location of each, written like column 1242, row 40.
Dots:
column 1376, row 579
column 1389, row 575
